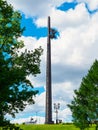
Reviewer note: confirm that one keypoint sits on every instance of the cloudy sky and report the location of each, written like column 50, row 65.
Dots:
column 73, row 52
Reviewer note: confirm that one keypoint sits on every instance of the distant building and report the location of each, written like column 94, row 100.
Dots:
column 32, row 121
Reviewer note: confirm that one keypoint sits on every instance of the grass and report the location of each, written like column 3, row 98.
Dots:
column 51, row 127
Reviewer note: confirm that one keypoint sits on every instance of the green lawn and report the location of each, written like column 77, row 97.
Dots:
column 51, row 127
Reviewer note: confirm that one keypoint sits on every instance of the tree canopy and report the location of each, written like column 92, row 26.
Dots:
column 84, row 106
column 16, row 91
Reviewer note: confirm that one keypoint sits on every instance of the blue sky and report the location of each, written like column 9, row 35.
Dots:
column 31, row 29
column 73, row 52
column 67, row 5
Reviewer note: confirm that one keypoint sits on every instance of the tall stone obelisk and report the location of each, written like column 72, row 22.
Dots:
column 48, row 116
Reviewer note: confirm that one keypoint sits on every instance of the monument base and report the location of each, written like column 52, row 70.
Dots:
column 50, row 122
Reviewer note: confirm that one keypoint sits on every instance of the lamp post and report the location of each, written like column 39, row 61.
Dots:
column 56, row 107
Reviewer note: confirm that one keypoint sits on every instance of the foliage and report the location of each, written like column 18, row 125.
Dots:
column 16, row 91
column 84, row 106
column 10, row 127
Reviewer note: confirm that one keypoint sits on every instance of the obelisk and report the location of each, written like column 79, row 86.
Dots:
column 48, row 116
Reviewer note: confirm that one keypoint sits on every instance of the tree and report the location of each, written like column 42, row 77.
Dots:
column 84, row 106
column 16, row 91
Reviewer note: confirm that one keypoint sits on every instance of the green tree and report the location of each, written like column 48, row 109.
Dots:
column 16, row 91
column 84, row 106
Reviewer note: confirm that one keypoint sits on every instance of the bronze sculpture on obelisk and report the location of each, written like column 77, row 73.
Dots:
column 48, row 114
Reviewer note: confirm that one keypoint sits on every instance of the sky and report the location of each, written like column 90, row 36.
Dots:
column 73, row 52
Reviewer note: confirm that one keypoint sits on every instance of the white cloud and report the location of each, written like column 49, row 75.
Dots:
column 92, row 4
column 65, row 115
column 42, row 8
column 37, row 8
column 62, row 20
